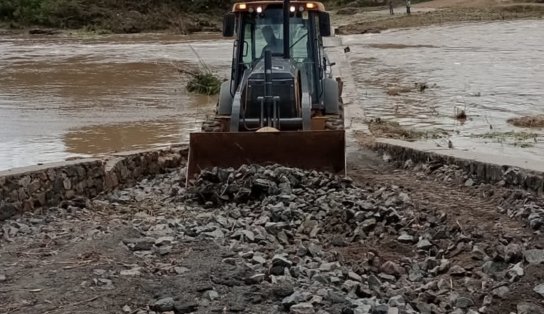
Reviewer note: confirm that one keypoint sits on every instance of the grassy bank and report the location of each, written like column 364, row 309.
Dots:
column 119, row 16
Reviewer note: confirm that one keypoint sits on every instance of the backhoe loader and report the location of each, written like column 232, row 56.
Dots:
column 281, row 103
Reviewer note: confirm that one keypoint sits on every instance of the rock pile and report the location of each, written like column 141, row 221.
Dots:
column 255, row 183
column 290, row 225
column 295, row 241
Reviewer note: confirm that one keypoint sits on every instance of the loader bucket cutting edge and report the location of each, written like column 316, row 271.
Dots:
column 311, row 150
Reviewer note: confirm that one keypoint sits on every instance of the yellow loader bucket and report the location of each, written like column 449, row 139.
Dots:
column 311, row 150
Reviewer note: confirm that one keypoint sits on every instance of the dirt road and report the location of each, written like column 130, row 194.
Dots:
column 452, row 247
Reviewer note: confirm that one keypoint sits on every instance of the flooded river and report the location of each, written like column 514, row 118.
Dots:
column 80, row 96
column 493, row 71
column 68, row 96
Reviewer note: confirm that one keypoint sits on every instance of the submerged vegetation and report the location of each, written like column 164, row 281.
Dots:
column 521, row 139
column 518, row 136
column 392, row 129
column 204, row 82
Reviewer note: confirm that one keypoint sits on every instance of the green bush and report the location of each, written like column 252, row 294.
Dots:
column 7, row 10
column 24, row 11
column 65, row 13
column 204, row 82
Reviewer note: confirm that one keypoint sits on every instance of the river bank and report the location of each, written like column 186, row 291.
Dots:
column 206, row 16
column 427, row 14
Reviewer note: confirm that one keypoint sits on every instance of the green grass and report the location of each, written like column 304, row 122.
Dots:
column 517, row 136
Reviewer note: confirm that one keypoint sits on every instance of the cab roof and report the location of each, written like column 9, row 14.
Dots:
column 252, row 6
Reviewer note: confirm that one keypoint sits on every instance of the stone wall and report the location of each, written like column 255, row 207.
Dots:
column 127, row 168
column 489, row 172
column 29, row 188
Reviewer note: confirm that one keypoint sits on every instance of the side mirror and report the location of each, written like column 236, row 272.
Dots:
column 228, row 24
column 324, row 24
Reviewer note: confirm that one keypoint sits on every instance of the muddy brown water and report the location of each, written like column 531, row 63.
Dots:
column 493, row 71
column 78, row 95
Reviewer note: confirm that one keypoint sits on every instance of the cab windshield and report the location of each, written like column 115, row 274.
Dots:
column 265, row 30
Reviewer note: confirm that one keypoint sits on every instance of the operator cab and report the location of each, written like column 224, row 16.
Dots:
column 258, row 26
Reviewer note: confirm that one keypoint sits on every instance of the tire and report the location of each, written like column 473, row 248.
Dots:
column 331, row 96
column 224, row 102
